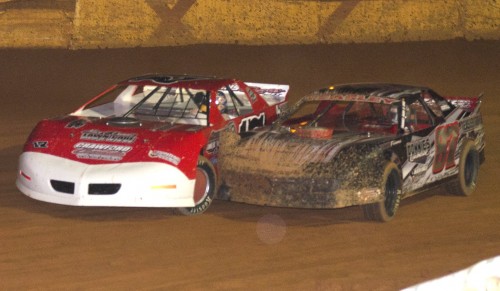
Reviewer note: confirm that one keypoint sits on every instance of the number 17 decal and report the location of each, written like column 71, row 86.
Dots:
column 446, row 146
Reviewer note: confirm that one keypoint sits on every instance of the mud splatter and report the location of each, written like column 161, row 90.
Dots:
column 282, row 170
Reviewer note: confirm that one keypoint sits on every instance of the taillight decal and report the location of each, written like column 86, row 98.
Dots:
column 39, row 144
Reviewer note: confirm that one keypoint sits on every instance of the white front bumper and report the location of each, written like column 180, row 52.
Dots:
column 141, row 184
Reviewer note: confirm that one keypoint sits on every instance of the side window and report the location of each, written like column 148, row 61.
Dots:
column 232, row 102
column 252, row 95
column 432, row 104
column 416, row 117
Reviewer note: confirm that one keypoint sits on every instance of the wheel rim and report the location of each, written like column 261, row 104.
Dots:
column 470, row 171
column 201, row 186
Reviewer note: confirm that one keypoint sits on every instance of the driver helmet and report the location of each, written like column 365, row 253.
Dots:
column 393, row 114
column 221, row 101
column 199, row 100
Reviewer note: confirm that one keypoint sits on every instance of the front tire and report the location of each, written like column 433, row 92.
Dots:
column 385, row 210
column 468, row 168
column 204, row 188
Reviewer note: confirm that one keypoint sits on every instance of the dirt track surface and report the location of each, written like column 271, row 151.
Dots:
column 238, row 246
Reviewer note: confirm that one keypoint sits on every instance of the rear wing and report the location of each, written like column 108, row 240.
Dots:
column 465, row 103
column 272, row 93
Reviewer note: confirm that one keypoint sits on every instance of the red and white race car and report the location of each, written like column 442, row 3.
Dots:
column 150, row 141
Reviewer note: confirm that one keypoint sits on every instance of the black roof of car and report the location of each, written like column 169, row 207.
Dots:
column 375, row 89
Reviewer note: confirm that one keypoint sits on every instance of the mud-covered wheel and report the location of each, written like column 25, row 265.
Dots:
column 391, row 188
column 204, row 188
column 468, row 168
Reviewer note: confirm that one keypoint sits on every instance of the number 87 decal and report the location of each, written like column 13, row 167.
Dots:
column 446, row 146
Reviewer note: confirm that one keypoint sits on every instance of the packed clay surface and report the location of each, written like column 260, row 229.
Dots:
column 236, row 246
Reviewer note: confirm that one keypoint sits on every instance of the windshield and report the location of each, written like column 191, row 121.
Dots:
column 343, row 116
column 152, row 103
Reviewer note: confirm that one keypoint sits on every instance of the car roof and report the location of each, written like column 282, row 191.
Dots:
column 191, row 81
column 366, row 92
column 386, row 90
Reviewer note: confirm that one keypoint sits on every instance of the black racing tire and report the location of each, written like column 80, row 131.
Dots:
column 385, row 210
column 468, row 169
column 204, row 189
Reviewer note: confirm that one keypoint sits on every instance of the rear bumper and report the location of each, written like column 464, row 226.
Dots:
column 142, row 184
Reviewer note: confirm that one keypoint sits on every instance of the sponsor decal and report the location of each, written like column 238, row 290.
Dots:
column 349, row 97
column 95, row 151
column 108, row 136
column 446, row 146
column 463, row 103
column 213, row 143
column 270, row 91
column 203, row 206
column 418, row 149
column 169, row 157
column 278, row 91
column 468, row 124
column 395, row 142
column 251, row 122
column 39, row 144
column 78, row 123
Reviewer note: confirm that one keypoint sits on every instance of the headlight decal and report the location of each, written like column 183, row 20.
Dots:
column 169, row 157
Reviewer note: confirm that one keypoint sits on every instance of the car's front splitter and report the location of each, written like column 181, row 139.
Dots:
column 140, row 184
column 297, row 192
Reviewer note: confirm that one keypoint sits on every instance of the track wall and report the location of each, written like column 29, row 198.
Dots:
column 80, row 24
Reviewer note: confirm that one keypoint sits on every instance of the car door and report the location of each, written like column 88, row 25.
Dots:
column 417, row 125
column 430, row 143
column 231, row 109
column 236, row 107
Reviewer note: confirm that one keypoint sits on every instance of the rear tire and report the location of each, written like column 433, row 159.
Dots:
column 385, row 210
column 468, row 169
column 204, row 188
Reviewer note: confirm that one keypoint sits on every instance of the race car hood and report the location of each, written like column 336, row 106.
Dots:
column 285, row 154
column 96, row 141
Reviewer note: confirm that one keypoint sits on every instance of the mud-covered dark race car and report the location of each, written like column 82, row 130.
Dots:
column 358, row 144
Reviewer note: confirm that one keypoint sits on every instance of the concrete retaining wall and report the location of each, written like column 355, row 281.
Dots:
column 131, row 23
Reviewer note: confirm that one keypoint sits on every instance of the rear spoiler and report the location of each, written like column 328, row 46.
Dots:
column 466, row 103
column 272, row 93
